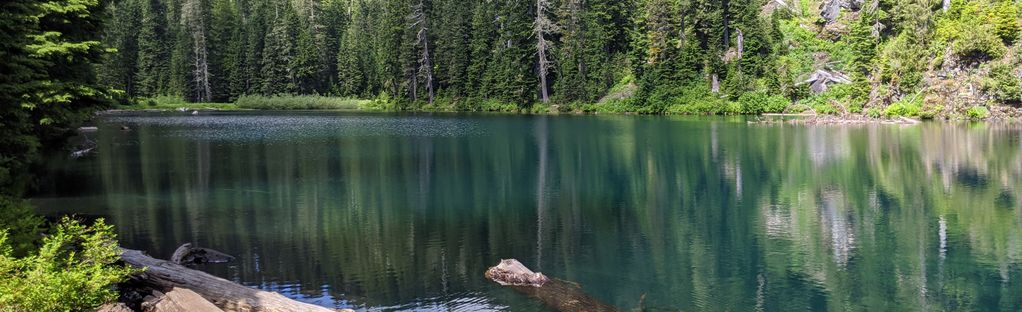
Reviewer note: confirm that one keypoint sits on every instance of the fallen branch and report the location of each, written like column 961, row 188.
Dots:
column 220, row 292
column 560, row 295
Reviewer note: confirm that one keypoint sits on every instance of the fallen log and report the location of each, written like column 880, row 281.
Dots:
column 560, row 295
column 180, row 300
column 222, row 293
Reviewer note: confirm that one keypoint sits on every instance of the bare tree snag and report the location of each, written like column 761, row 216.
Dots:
column 557, row 294
column 420, row 20
column 222, row 293
column 543, row 26
column 191, row 17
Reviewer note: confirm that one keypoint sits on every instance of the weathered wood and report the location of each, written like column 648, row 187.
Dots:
column 510, row 272
column 114, row 307
column 560, row 295
column 182, row 300
column 187, row 254
column 222, row 293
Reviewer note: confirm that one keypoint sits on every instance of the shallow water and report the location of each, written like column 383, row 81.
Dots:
column 406, row 212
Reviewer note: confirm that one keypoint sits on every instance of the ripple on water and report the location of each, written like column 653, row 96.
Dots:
column 246, row 128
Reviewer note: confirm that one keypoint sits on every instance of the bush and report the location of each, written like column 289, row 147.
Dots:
column 759, row 102
column 873, row 112
column 491, row 105
column 908, row 106
column 1003, row 85
column 300, row 102
column 74, row 270
column 978, row 112
column 977, row 31
column 21, row 223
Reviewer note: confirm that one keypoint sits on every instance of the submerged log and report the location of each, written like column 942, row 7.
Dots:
column 560, row 295
column 222, row 293
column 188, row 254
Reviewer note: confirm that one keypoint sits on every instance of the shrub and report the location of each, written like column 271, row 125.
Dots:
column 908, row 106
column 760, row 102
column 977, row 31
column 1003, row 84
column 697, row 100
column 22, row 224
column 873, row 112
column 492, row 105
column 74, row 270
column 978, row 112
column 838, row 95
column 289, row 102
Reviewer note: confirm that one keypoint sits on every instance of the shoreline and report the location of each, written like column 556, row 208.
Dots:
column 765, row 118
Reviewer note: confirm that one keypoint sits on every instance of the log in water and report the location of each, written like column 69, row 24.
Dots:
column 560, row 295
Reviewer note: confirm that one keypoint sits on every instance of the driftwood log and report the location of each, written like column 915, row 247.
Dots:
column 188, row 254
column 222, row 293
column 179, row 300
column 560, row 295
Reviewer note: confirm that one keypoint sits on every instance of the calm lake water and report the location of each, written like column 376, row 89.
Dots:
column 406, row 212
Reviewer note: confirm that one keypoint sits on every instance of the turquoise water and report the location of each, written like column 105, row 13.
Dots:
column 406, row 212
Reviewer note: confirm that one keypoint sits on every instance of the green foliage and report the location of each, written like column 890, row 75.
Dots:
column 909, row 106
column 299, row 102
column 492, row 105
column 1004, row 17
column 1004, row 84
column 761, row 102
column 695, row 101
column 976, row 30
column 837, row 99
column 978, row 112
column 874, row 112
column 74, row 270
column 23, row 226
column 48, row 83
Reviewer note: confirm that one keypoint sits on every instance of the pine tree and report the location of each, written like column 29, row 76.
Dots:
column 279, row 74
column 153, row 54
column 117, row 70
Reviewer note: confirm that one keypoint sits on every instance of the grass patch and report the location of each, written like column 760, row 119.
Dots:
column 303, row 102
column 175, row 102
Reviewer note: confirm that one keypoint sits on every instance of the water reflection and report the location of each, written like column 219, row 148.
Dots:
column 405, row 212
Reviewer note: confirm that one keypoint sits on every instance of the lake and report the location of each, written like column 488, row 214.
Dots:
column 406, row 211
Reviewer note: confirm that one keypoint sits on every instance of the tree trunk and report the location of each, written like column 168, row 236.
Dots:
column 223, row 293
column 425, row 70
column 542, row 27
column 192, row 19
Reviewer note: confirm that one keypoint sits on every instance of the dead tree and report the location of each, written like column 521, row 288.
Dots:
column 191, row 18
column 542, row 27
column 425, row 69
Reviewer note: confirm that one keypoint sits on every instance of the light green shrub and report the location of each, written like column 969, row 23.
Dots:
column 1003, row 84
column 74, row 270
column 760, row 102
column 302, row 102
column 978, row 112
column 908, row 106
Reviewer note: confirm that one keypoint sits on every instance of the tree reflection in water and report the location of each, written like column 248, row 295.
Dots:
column 403, row 211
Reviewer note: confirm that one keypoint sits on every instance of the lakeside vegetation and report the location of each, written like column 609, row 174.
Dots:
column 919, row 58
column 65, row 59
column 48, row 87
